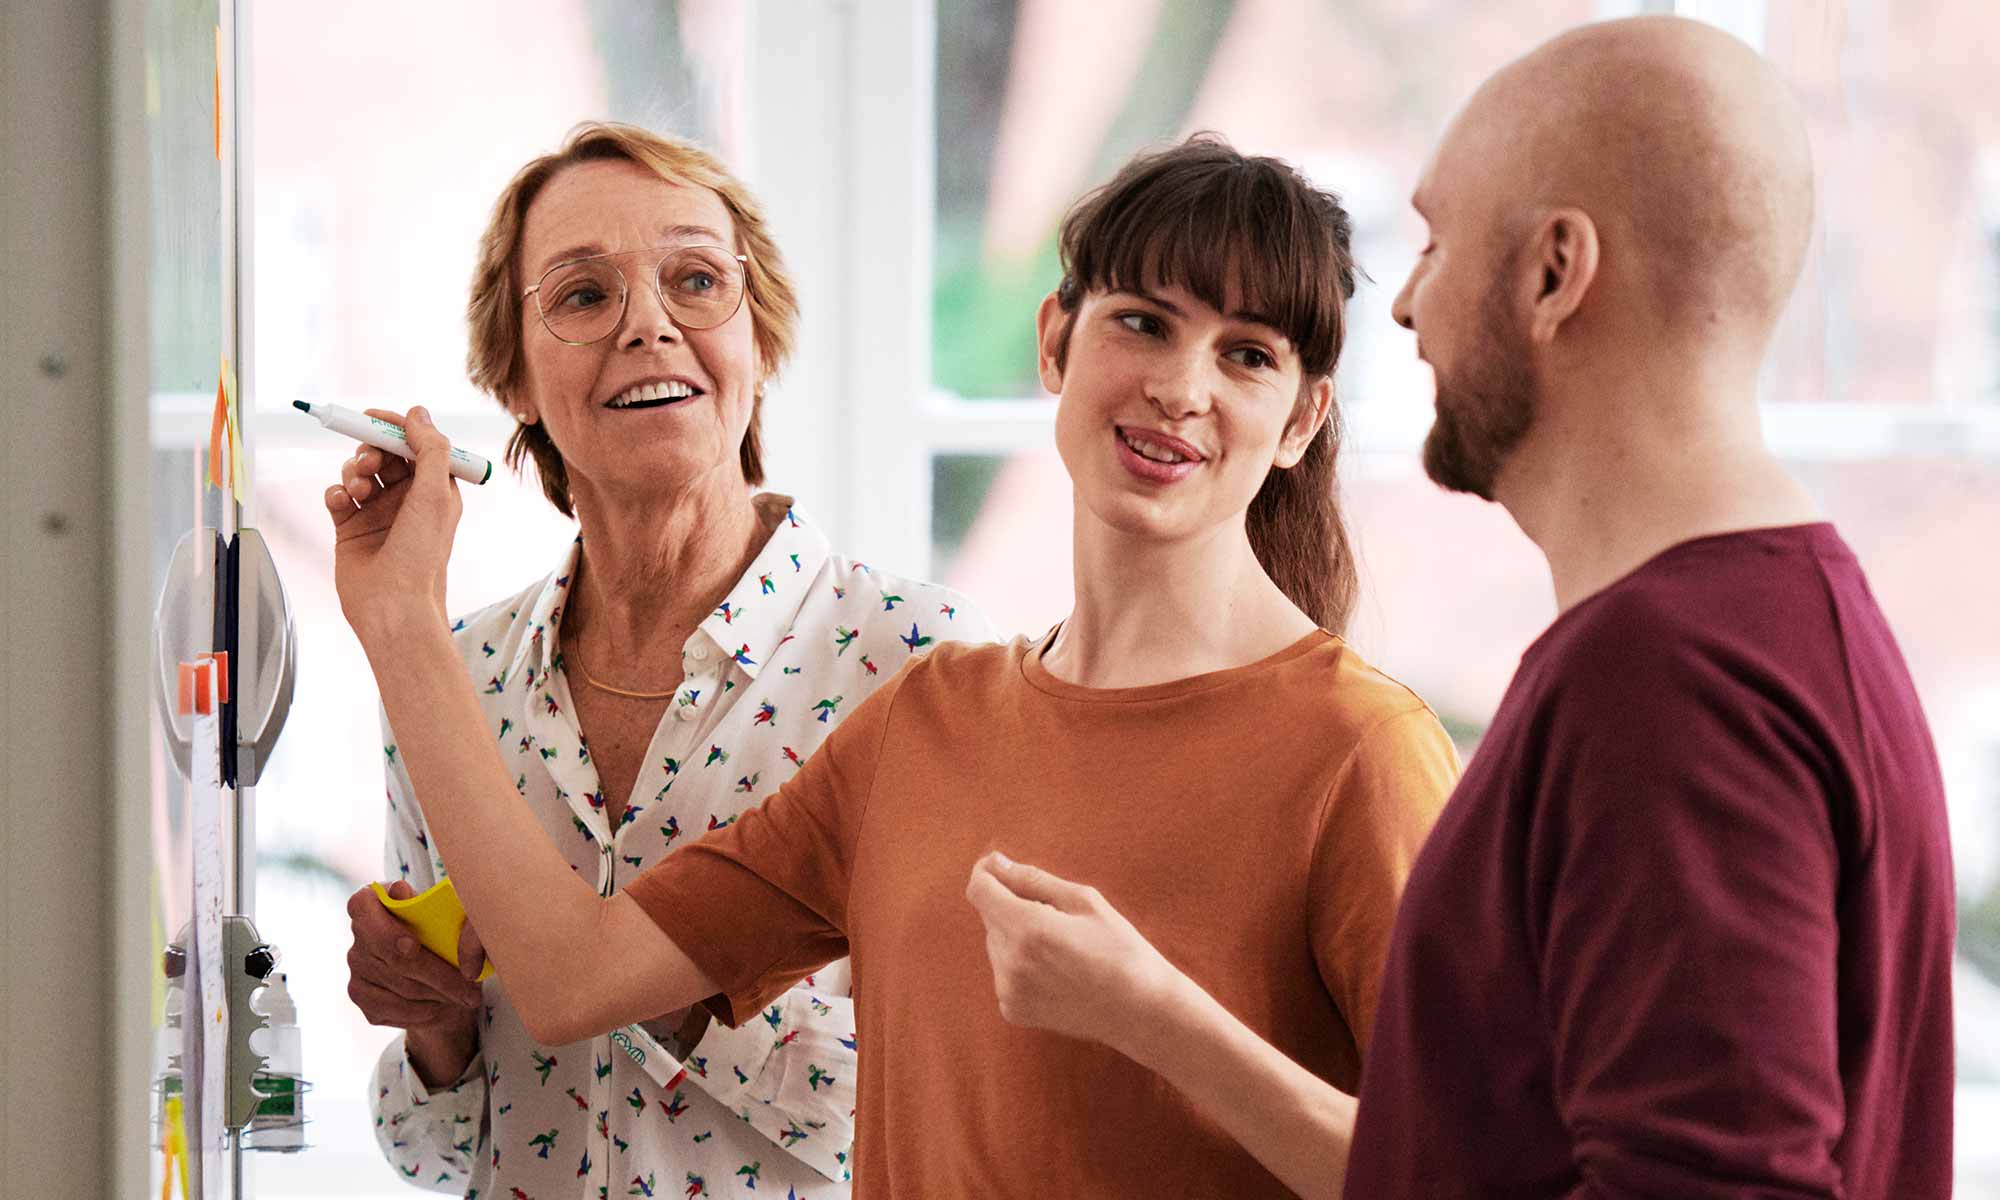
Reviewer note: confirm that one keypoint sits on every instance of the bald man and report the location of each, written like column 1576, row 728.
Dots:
column 1685, row 928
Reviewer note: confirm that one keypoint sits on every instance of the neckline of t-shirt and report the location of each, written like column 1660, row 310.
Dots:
column 1817, row 536
column 1038, row 677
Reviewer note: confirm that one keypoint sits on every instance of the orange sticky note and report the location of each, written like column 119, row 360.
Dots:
column 195, row 697
column 218, row 436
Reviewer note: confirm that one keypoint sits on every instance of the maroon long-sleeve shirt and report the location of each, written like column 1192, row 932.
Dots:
column 1685, row 928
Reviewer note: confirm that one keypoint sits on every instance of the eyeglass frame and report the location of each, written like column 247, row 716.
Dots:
column 625, row 288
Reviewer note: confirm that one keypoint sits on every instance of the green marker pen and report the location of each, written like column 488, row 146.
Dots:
column 383, row 436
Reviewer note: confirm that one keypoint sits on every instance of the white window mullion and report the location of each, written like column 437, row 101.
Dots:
column 891, row 47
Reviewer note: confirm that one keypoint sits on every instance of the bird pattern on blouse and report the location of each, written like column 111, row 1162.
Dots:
column 768, row 678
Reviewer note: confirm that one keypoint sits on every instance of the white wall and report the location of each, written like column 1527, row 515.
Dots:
column 59, row 1105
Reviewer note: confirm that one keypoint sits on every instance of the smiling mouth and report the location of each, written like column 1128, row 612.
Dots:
column 1153, row 450
column 653, row 395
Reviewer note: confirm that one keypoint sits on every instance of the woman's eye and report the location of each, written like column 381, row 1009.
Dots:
column 696, row 281
column 581, row 297
column 1139, row 322
column 1254, row 357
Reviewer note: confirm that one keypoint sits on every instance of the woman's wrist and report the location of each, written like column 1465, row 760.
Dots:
column 388, row 626
column 441, row 1052
column 1158, row 1000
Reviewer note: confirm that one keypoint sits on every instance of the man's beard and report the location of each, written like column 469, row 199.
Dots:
column 1484, row 407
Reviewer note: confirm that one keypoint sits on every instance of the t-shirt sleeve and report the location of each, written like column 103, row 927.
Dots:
column 1381, row 807
column 1682, row 876
column 762, row 903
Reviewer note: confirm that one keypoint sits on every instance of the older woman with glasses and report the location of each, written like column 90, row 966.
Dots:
column 695, row 645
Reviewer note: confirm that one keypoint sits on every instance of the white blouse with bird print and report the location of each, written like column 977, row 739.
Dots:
column 766, row 1110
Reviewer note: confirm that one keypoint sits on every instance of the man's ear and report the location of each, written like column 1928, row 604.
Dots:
column 1313, row 410
column 1562, row 264
column 1052, row 330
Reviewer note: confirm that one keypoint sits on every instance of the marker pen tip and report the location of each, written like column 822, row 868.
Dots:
column 302, row 406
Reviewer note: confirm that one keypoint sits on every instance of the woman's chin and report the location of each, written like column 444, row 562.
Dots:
column 662, row 475
column 1130, row 514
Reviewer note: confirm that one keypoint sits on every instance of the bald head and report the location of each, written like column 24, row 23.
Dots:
column 1681, row 145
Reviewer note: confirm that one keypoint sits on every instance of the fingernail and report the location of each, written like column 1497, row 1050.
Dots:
column 1002, row 859
column 405, row 947
column 419, row 413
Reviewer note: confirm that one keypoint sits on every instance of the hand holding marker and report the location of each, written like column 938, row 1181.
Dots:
column 382, row 435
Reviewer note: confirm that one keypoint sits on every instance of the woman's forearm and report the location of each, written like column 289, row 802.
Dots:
column 574, row 963
column 1295, row 1123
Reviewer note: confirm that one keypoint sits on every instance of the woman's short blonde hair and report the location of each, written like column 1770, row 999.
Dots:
column 498, row 316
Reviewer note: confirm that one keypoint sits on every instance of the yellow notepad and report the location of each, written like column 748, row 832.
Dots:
column 434, row 915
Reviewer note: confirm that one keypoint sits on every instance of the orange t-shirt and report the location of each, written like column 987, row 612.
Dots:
column 1255, row 824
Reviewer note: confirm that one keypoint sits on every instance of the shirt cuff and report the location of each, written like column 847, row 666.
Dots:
column 432, row 1138
column 728, row 1062
column 414, row 1082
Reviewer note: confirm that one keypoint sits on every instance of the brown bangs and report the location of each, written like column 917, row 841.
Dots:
column 1246, row 235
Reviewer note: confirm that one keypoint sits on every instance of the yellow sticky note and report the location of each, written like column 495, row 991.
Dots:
column 239, row 464
column 175, row 1137
column 434, row 915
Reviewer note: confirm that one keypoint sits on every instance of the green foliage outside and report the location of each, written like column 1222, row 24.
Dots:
column 984, row 317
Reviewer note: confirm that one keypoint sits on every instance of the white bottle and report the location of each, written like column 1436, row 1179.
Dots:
column 279, row 1121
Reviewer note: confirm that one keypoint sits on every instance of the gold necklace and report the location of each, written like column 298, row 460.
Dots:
column 573, row 656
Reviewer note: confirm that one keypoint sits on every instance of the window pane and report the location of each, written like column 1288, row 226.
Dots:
column 370, row 201
column 1900, row 300
column 1000, row 533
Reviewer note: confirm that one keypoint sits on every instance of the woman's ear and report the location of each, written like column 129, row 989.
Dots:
column 1312, row 412
column 1052, row 330
column 521, row 407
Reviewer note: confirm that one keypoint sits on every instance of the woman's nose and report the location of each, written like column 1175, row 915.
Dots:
column 646, row 319
column 1180, row 388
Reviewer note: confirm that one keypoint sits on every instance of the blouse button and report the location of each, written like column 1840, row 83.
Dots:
column 684, row 713
column 700, row 653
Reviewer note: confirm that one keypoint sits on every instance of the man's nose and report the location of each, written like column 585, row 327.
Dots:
column 1399, row 309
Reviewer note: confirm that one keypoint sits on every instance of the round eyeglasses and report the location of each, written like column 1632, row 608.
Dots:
column 583, row 300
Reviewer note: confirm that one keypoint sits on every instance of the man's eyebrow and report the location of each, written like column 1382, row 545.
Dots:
column 671, row 234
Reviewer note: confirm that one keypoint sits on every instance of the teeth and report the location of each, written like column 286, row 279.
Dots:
column 1151, row 450
column 650, row 392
